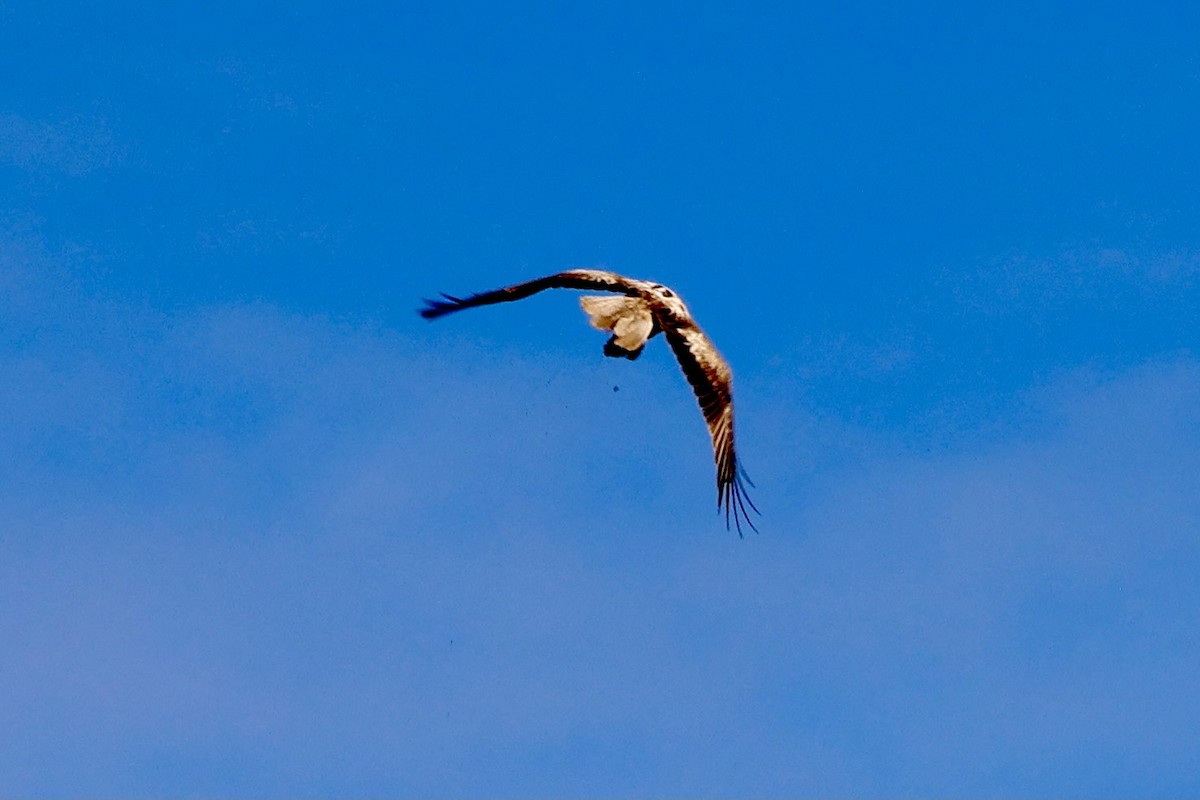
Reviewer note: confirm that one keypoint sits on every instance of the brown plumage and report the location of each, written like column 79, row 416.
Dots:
column 646, row 310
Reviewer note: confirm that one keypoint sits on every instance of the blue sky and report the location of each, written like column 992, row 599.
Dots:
column 265, row 531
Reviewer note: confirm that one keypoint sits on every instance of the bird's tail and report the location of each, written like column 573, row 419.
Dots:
column 603, row 311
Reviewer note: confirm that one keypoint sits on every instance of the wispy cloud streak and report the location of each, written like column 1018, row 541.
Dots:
column 276, row 552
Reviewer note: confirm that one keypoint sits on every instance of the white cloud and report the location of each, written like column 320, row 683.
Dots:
column 270, row 552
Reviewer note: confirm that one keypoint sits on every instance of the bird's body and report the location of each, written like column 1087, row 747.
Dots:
column 629, row 318
column 640, row 311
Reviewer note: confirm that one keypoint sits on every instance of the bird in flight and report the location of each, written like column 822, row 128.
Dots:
column 639, row 311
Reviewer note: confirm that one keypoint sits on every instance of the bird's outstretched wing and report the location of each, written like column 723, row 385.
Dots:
column 594, row 279
column 711, row 380
column 706, row 371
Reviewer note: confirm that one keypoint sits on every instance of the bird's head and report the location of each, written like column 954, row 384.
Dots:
column 669, row 299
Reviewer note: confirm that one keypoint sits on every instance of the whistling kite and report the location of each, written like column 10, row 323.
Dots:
column 641, row 311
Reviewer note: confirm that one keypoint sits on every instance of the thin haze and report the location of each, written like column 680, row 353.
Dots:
column 264, row 531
